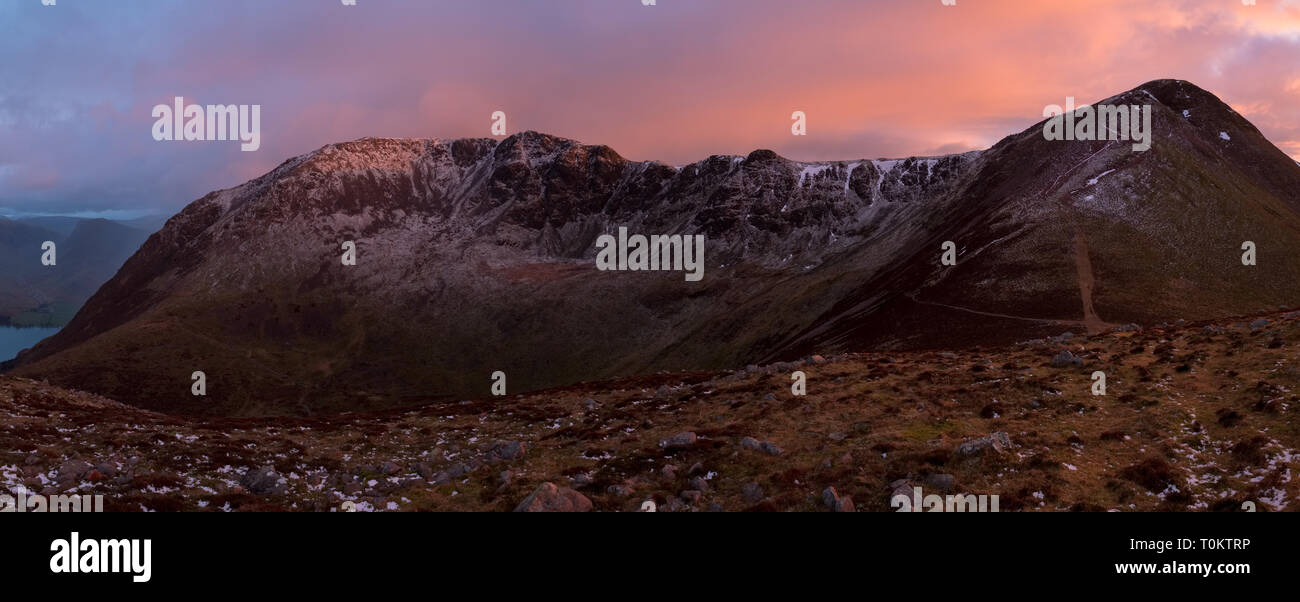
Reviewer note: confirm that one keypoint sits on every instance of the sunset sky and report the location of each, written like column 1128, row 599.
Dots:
column 675, row 82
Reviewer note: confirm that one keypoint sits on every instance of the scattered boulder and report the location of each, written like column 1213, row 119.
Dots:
column 507, row 450
column 835, row 503
column 456, row 471
column 679, row 441
column 997, row 442
column 766, row 447
column 550, row 498
column 73, row 470
column 264, row 481
column 752, row 492
column 942, row 482
column 901, row 487
column 1066, row 359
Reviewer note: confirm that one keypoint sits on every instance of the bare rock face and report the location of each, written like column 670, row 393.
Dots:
column 477, row 255
column 550, row 498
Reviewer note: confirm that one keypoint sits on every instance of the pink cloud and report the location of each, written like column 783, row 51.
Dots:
column 675, row 82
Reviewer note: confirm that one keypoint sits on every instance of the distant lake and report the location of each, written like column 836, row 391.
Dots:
column 13, row 340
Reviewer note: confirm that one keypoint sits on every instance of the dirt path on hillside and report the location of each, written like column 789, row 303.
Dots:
column 1091, row 322
column 998, row 315
column 1083, row 263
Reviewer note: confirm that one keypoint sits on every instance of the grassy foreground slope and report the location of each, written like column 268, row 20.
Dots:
column 1197, row 416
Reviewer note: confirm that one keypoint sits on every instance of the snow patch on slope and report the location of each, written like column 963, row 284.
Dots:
column 1093, row 182
column 848, row 176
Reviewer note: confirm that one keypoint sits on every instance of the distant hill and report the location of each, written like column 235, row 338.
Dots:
column 64, row 224
column 61, row 224
column 148, row 223
column 20, row 263
column 89, row 252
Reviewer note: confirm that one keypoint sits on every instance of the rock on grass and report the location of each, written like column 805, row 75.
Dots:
column 997, row 442
column 836, row 503
column 1065, row 359
column 550, row 498
column 766, row 447
column 264, row 481
column 679, row 441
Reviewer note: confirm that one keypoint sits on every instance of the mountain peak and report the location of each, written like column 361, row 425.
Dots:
column 1168, row 91
column 763, row 156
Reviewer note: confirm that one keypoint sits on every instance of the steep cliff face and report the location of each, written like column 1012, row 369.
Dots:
column 477, row 255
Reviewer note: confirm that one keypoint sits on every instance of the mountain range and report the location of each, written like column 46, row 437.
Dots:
column 477, row 255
